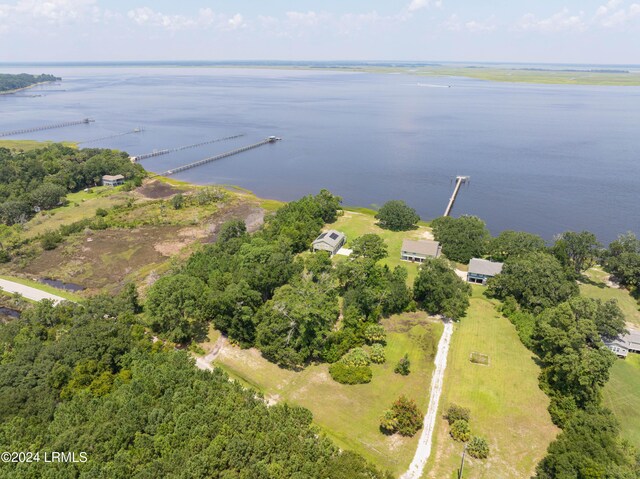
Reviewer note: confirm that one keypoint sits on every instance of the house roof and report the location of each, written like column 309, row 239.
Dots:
column 331, row 238
column 629, row 341
column 427, row 248
column 484, row 267
column 112, row 177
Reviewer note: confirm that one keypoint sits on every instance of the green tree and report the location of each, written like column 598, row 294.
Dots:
column 177, row 201
column 461, row 238
column 439, row 290
column 536, row 281
column 460, row 430
column 509, row 244
column 375, row 333
column 578, row 250
column 404, row 366
column 232, row 229
column 178, row 307
column 377, row 354
column 369, row 246
column 293, row 325
column 233, row 311
column 396, row 215
column 318, row 264
column 47, row 196
column 407, row 415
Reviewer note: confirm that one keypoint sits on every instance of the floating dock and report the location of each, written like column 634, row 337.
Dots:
column 459, row 181
column 46, row 127
column 266, row 141
column 144, row 156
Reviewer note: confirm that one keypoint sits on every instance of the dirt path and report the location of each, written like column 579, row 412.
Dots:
column 204, row 362
column 424, row 445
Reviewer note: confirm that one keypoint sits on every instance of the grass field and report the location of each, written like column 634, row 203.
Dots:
column 599, row 290
column 28, row 145
column 622, row 396
column 360, row 222
column 350, row 415
column 507, row 406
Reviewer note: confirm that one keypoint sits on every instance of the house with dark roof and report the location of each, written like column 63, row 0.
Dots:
column 112, row 180
column 330, row 241
column 418, row 251
column 623, row 345
column 480, row 270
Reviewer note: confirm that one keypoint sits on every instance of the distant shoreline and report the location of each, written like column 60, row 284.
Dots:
column 9, row 92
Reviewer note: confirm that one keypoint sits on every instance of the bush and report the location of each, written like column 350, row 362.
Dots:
column 456, row 413
column 404, row 417
column 403, row 366
column 99, row 224
column 356, row 357
column 101, row 212
column 50, row 240
column 346, row 374
column 478, row 448
column 388, row 422
column 377, row 354
column 177, row 201
column 375, row 333
column 460, row 430
column 5, row 257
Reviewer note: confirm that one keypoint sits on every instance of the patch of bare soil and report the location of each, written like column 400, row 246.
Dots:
column 252, row 215
column 185, row 237
column 157, row 189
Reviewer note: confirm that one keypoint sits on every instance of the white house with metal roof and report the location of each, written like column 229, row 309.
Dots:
column 330, row 241
column 623, row 345
column 418, row 251
column 480, row 270
column 112, row 180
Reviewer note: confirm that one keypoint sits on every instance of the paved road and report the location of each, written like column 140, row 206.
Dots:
column 28, row 292
column 423, row 451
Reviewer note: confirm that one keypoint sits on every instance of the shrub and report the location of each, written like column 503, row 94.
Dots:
column 101, row 212
column 388, row 422
column 460, row 430
column 456, row 413
column 356, row 357
column 5, row 257
column 403, row 366
column 478, row 448
column 375, row 333
column 377, row 354
column 50, row 240
column 346, row 374
column 177, row 201
column 99, row 224
column 408, row 416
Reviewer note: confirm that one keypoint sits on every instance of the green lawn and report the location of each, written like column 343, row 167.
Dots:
column 350, row 415
column 599, row 290
column 43, row 287
column 622, row 396
column 507, row 406
column 360, row 221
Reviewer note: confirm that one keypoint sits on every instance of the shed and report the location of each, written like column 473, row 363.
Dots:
column 330, row 241
column 480, row 270
column 112, row 180
column 418, row 251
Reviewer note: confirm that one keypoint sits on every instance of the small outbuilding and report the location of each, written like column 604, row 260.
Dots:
column 418, row 251
column 480, row 270
column 330, row 241
column 112, row 180
column 623, row 345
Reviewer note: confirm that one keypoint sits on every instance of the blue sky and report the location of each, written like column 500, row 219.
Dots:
column 570, row 31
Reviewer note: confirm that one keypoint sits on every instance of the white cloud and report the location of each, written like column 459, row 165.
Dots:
column 615, row 15
column 416, row 5
column 455, row 24
column 25, row 12
column 205, row 18
column 558, row 22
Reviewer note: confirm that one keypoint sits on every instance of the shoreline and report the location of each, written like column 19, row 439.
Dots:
column 9, row 92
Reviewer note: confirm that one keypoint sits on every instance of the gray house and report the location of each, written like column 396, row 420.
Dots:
column 330, row 241
column 112, row 180
column 418, row 251
column 480, row 270
column 623, row 345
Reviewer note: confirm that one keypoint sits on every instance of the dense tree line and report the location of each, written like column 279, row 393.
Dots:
column 86, row 378
column 10, row 82
column 40, row 179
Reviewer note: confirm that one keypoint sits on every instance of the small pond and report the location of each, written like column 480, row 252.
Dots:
column 12, row 313
column 61, row 284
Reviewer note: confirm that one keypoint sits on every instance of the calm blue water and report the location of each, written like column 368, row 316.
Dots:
column 542, row 158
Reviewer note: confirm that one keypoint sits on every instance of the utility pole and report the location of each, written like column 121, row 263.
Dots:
column 461, row 470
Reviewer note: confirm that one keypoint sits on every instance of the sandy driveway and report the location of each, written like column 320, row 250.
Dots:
column 28, row 292
column 424, row 445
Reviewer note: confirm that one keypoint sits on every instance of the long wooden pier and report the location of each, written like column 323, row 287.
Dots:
column 271, row 139
column 459, row 181
column 135, row 130
column 144, row 156
column 46, row 127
